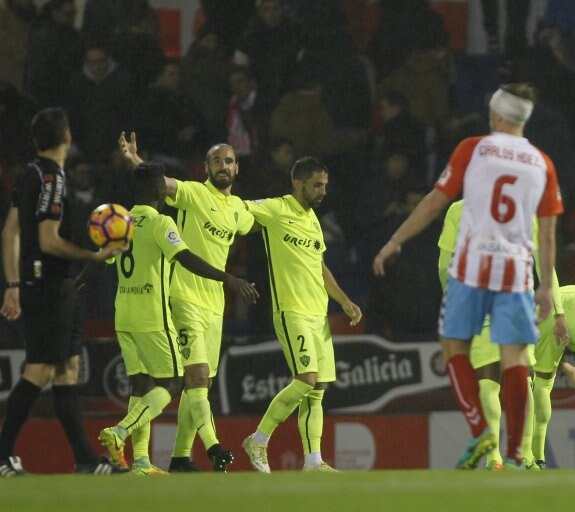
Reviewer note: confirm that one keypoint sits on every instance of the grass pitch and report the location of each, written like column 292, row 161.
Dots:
column 403, row 491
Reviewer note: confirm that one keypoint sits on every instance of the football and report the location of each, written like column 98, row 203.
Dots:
column 110, row 225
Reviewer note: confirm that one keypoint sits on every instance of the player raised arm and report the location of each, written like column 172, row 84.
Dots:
column 129, row 151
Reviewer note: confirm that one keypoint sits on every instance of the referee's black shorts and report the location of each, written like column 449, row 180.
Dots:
column 50, row 316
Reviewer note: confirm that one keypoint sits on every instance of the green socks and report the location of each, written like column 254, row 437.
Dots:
column 310, row 421
column 149, row 406
column 527, row 438
column 283, row 405
column 140, row 436
column 542, row 398
column 201, row 413
column 186, row 431
column 491, row 404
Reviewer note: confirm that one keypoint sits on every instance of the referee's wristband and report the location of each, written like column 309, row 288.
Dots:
column 12, row 284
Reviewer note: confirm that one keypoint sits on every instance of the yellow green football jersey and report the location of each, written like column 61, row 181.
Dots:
column 144, row 272
column 295, row 246
column 208, row 222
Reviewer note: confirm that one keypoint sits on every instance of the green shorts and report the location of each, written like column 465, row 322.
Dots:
column 306, row 343
column 151, row 353
column 199, row 334
column 483, row 352
column 548, row 353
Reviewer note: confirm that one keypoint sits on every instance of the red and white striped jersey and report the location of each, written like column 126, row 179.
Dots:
column 505, row 181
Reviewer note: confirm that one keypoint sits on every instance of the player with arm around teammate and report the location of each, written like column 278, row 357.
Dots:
column 145, row 330
column 209, row 217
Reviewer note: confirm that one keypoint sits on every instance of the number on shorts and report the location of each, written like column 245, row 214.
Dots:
column 301, row 347
column 499, row 198
column 183, row 337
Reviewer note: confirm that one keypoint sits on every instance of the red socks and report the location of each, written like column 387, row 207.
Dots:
column 514, row 401
column 465, row 387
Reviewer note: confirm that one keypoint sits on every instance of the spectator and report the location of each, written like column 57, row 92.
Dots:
column 168, row 123
column 98, row 103
column 382, row 194
column 515, row 36
column 16, row 113
column 395, row 127
column 54, row 52
column 136, row 44
column 247, row 119
column 425, row 80
column 330, row 49
column 205, row 71
column 404, row 304
column 404, row 26
column 270, row 47
column 302, row 117
column 15, row 19
column 101, row 19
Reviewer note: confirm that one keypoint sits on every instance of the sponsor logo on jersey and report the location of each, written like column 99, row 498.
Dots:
column 144, row 289
column 224, row 234
column 302, row 242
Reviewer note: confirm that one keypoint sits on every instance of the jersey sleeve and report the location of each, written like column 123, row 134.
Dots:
column 185, row 195
column 245, row 221
column 551, row 202
column 168, row 238
column 451, row 180
column 265, row 211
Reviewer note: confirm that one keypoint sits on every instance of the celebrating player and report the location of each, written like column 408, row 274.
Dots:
column 300, row 283
column 209, row 217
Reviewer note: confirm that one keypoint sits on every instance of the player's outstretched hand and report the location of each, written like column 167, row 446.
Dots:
column 129, row 149
column 246, row 290
column 353, row 311
column 561, row 331
column 11, row 306
column 388, row 251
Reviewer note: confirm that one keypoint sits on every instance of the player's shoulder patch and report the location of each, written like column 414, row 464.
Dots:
column 173, row 237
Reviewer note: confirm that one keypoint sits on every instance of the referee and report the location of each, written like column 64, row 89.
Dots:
column 40, row 220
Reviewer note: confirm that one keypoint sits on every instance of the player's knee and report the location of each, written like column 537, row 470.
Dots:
column 197, row 376
column 141, row 384
column 308, row 378
column 39, row 374
column 172, row 385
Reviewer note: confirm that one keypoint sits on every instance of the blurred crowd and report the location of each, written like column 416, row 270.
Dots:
column 376, row 89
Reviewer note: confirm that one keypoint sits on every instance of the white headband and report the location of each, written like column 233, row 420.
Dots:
column 511, row 107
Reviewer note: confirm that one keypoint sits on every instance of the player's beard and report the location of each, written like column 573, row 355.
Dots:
column 221, row 182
